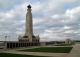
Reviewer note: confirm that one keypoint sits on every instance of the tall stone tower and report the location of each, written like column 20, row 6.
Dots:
column 29, row 36
column 29, row 24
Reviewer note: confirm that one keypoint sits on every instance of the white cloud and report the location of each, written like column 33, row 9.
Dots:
column 37, row 21
column 66, row 27
column 69, row 31
column 52, row 20
column 69, row 1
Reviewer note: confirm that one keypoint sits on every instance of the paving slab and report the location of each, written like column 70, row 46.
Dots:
column 37, row 53
column 75, row 51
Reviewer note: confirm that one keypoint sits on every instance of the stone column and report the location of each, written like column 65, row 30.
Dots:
column 29, row 24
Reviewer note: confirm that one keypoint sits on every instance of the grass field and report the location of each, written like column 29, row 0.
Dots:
column 64, row 45
column 50, row 49
column 16, row 55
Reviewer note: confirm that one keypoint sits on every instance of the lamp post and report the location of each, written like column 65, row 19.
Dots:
column 5, row 42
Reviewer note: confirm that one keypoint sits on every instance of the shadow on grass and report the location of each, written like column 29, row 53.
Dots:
column 17, row 55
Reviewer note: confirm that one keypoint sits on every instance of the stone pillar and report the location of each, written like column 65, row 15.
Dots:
column 20, row 44
column 11, row 45
column 26, row 44
column 15, row 45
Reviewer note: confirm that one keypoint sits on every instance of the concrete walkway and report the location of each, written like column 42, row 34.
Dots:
column 75, row 51
column 37, row 53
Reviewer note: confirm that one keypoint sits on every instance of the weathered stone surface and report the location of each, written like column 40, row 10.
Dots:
column 29, row 28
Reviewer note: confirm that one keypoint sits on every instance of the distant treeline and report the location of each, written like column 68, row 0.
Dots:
column 77, row 40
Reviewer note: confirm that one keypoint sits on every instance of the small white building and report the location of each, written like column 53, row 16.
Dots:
column 68, row 41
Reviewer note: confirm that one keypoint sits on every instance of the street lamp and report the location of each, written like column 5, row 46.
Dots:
column 5, row 42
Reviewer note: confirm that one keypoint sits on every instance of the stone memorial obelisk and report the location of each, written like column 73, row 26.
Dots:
column 29, row 37
column 29, row 24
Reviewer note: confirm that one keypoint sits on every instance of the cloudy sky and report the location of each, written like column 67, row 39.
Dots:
column 52, row 19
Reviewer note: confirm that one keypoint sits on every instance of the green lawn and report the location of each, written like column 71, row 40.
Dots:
column 64, row 45
column 16, row 55
column 50, row 49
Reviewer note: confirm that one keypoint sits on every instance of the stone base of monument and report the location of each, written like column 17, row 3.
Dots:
column 25, row 39
column 23, row 42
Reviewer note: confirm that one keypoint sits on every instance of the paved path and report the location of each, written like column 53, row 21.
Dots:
column 38, row 53
column 75, row 51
